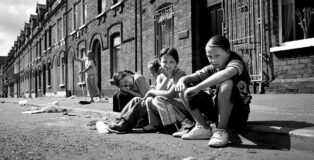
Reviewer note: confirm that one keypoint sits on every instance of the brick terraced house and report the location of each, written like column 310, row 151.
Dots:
column 127, row 34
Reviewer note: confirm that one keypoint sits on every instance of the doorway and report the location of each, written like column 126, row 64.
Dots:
column 96, row 49
column 216, row 19
column 44, row 79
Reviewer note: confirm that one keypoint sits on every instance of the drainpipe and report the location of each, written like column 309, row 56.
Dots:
column 135, row 33
column 66, row 50
column 141, row 37
column 30, row 74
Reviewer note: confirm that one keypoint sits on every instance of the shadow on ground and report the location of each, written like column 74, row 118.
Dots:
column 267, row 134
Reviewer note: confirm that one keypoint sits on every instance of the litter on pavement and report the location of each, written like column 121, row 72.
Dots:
column 102, row 127
column 22, row 102
column 49, row 108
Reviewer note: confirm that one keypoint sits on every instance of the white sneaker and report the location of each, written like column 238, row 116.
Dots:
column 198, row 132
column 97, row 99
column 219, row 138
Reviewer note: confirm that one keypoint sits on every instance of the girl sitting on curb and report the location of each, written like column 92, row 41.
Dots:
column 164, row 106
column 230, row 105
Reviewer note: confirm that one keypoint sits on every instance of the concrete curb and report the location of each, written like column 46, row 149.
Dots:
column 281, row 137
column 274, row 136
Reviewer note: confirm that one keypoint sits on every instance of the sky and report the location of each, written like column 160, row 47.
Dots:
column 13, row 15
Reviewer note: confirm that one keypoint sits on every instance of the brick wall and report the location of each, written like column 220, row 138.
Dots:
column 122, row 20
column 294, row 71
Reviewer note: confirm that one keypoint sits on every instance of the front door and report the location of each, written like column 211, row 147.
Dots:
column 44, row 80
column 97, row 51
column 215, row 19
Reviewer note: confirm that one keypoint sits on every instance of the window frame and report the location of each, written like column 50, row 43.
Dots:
column 39, row 79
column 84, row 12
column 62, row 70
column 295, row 22
column 49, row 74
column 59, row 29
column 74, row 15
column 160, row 24
column 113, row 52
column 101, row 8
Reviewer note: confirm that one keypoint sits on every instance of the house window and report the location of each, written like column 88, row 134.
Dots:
column 62, row 70
column 164, row 26
column 290, row 14
column 36, row 54
column 101, row 6
column 84, row 11
column 115, row 2
column 49, row 36
column 40, row 41
column 115, row 51
column 39, row 79
column 49, row 74
column 59, row 29
column 45, row 40
column 74, row 17
column 64, row 26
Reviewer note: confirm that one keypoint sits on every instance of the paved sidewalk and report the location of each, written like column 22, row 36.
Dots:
column 284, row 121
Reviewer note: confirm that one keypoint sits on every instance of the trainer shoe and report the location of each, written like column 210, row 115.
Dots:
column 219, row 138
column 198, row 132
column 121, row 126
column 186, row 126
column 181, row 132
column 150, row 128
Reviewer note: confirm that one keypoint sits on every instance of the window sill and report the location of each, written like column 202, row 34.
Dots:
column 100, row 14
column 83, row 26
column 62, row 85
column 298, row 44
column 72, row 33
column 81, row 84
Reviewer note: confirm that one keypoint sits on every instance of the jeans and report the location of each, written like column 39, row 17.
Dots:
column 120, row 99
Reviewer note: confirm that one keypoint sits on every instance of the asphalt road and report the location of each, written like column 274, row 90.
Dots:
column 58, row 136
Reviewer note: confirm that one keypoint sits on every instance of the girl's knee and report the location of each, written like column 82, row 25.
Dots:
column 226, row 87
column 148, row 101
column 157, row 100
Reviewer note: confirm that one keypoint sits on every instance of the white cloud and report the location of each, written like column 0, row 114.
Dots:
column 13, row 15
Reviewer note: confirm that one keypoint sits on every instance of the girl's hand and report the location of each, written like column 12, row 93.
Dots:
column 148, row 94
column 164, row 71
column 180, row 87
column 124, row 89
column 192, row 91
column 80, row 72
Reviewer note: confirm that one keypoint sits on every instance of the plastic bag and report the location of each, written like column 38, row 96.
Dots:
column 102, row 127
